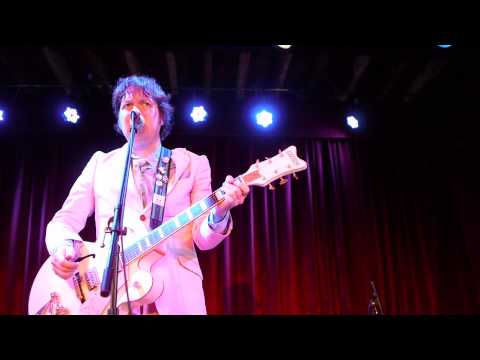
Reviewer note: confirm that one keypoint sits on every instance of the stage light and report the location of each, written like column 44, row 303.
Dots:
column 444, row 46
column 352, row 122
column 264, row 118
column 71, row 115
column 285, row 46
column 198, row 114
column 2, row 115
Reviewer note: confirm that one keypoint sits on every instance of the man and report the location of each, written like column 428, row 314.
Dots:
column 97, row 191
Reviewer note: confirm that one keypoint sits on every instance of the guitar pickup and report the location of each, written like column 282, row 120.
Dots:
column 78, row 287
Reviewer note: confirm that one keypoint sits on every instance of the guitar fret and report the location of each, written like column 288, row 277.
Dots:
column 169, row 227
column 196, row 210
column 160, row 232
column 147, row 241
column 153, row 238
column 129, row 254
column 183, row 218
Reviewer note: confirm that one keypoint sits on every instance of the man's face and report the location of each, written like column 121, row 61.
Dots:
column 136, row 100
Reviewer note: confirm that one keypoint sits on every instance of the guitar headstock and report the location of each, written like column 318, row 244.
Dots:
column 286, row 162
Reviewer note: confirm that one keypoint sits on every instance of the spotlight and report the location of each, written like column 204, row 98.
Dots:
column 444, row 46
column 264, row 118
column 352, row 122
column 71, row 115
column 198, row 114
column 285, row 46
column 2, row 115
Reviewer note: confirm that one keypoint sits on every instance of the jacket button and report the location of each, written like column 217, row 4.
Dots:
column 142, row 217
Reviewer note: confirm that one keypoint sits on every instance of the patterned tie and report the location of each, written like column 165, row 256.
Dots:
column 143, row 174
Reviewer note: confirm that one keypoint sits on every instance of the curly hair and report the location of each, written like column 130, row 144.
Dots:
column 151, row 88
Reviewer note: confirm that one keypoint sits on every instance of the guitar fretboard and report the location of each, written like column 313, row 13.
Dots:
column 168, row 228
column 152, row 239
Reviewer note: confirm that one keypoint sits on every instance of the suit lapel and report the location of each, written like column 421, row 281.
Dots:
column 180, row 161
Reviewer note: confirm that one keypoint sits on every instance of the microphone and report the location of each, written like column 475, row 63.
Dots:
column 136, row 121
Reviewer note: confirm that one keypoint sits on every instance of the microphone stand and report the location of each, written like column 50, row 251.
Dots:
column 110, row 276
column 375, row 307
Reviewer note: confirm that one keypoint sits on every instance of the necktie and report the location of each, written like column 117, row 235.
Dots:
column 143, row 174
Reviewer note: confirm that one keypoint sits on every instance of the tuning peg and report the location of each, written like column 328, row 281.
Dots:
column 256, row 163
column 280, row 152
column 269, row 160
column 295, row 176
column 283, row 181
column 271, row 187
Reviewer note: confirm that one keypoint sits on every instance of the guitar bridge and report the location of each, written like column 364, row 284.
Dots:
column 91, row 277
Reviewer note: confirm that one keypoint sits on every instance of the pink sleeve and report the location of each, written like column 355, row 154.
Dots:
column 203, row 236
column 78, row 206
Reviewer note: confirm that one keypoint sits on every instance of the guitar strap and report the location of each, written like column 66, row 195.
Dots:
column 160, row 187
column 158, row 201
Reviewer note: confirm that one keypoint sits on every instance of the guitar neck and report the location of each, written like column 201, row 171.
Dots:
column 153, row 238
column 259, row 174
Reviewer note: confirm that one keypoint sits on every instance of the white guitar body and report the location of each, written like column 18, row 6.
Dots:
column 80, row 295
column 52, row 295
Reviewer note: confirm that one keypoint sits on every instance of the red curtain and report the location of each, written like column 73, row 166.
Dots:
column 402, row 215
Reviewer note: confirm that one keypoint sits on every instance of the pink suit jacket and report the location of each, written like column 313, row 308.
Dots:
column 97, row 190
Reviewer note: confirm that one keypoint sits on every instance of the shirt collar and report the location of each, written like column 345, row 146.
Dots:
column 152, row 158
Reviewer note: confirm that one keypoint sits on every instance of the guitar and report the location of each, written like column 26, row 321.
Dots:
column 80, row 294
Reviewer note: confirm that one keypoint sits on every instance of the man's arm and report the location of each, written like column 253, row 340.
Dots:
column 78, row 206
column 207, row 234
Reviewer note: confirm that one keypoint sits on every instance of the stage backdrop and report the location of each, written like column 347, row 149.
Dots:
column 401, row 213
